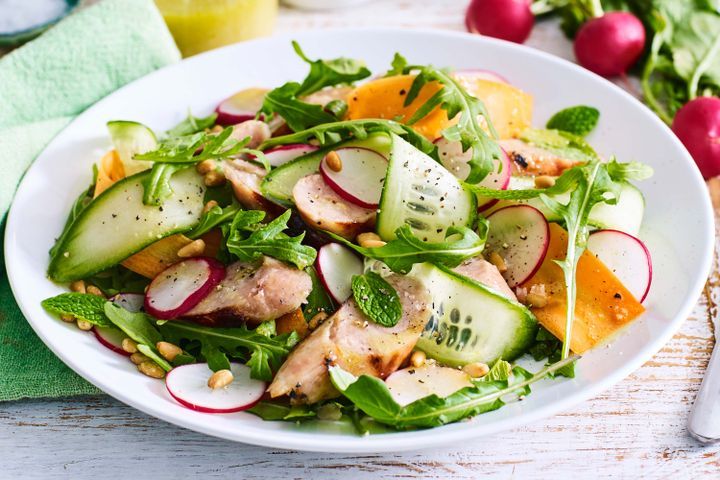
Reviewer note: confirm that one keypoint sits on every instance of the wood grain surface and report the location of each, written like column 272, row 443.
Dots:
column 635, row 429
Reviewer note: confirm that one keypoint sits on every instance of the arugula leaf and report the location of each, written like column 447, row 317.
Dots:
column 401, row 253
column 139, row 327
column 377, row 299
column 78, row 206
column 273, row 411
column 263, row 354
column 249, row 240
column 331, row 133
column 214, row 218
column 548, row 347
column 398, row 65
column 328, row 73
column 82, row 306
column 156, row 187
column 119, row 279
column 579, row 120
column 194, row 148
column 297, row 114
column 192, row 124
column 372, row 396
column 318, row 300
column 454, row 99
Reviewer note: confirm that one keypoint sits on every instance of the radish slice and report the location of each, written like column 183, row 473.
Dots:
column 520, row 234
column 111, row 338
column 240, row 107
column 626, row 256
column 336, row 266
column 456, row 161
column 188, row 385
column 361, row 178
column 181, row 286
column 132, row 302
column 283, row 154
column 468, row 76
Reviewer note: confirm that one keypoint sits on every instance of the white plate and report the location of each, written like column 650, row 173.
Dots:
column 678, row 225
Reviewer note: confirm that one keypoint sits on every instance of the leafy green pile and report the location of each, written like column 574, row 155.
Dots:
column 682, row 54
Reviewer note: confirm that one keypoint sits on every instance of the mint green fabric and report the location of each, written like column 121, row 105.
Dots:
column 43, row 86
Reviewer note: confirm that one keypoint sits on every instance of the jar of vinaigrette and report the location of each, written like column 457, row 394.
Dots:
column 200, row 25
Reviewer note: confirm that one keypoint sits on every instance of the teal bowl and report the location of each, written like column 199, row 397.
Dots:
column 10, row 39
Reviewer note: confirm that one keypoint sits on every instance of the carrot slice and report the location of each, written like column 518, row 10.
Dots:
column 604, row 305
column 110, row 170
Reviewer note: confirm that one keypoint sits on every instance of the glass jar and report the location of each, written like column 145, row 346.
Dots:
column 200, row 25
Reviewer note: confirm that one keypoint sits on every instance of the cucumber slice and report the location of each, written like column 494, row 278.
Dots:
column 129, row 139
column 117, row 224
column 421, row 193
column 471, row 322
column 626, row 215
column 278, row 184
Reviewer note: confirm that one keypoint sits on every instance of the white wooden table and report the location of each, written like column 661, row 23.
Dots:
column 635, row 429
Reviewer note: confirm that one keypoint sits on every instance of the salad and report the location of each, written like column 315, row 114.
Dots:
column 375, row 249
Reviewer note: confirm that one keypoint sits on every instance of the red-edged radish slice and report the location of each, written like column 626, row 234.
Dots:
column 456, row 161
column 470, row 75
column 286, row 153
column 181, row 286
column 626, row 256
column 132, row 302
column 520, row 234
column 240, row 107
column 188, row 385
column 111, row 338
column 336, row 266
column 361, row 178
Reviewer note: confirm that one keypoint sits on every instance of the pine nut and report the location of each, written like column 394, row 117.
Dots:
column 129, row 345
column 417, row 359
column 370, row 240
column 220, row 379
column 333, row 161
column 498, row 261
column 84, row 325
column 476, row 370
column 544, row 181
column 67, row 318
column 151, row 369
column 535, row 300
column 329, row 411
column 78, row 286
column 137, row 358
column 93, row 290
column 206, row 166
column 192, row 249
column 214, row 179
column 209, row 206
column 168, row 350
column 316, row 320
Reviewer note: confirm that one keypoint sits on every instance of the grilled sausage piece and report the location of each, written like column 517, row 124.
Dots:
column 321, row 208
column 245, row 179
column 486, row 273
column 355, row 343
column 251, row 293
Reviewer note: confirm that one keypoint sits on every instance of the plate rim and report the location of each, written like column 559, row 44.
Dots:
column 395, row 441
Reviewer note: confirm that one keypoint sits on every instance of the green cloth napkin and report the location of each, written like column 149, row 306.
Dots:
column 43, row 86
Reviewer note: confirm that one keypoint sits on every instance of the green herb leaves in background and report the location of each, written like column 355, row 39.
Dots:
column 377, row 299
column 82, row 306
column 248, row 239
column 579, row 120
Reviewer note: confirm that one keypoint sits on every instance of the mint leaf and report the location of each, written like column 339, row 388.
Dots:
column 377, row 299
column 264, row 354
column 82, row 306
column 249, row 240
column 579, row 120
column 404, row 251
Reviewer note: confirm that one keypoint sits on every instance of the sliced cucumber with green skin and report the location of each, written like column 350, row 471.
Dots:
column 421, row 193
column 129, row 139
column 278, row 184
column 626, row 215
column 470, row 322
column 117, row 224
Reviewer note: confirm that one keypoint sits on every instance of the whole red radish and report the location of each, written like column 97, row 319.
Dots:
column 697, row 125
column 611, row 44
column 505, row 19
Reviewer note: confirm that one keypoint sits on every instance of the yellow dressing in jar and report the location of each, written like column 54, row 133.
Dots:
column 200, row 25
